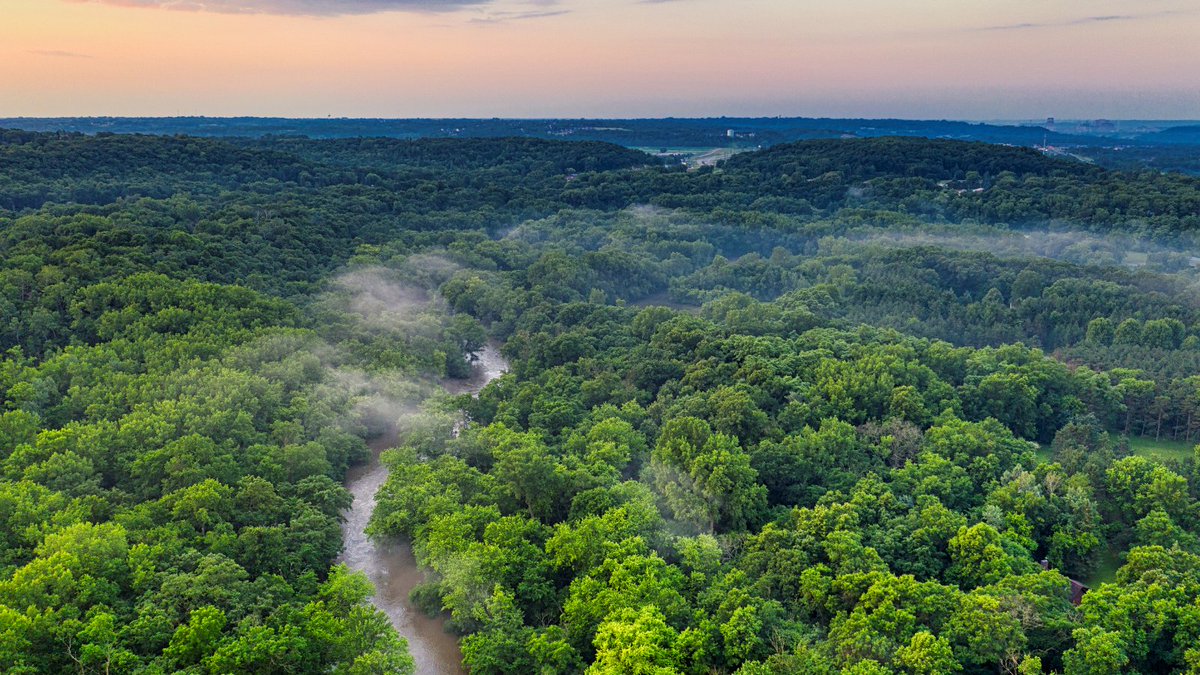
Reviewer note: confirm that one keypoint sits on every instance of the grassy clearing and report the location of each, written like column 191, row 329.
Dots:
column 1162, row 450
column 696, row 157
column 686, row 153
column 671, row 150
column 713, row 156
column 1106, row 571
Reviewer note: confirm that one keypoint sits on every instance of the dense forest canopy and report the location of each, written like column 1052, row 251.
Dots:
column 1123, row 144
column 863, row 406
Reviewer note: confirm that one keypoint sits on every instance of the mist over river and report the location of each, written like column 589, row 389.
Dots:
column 390, row 565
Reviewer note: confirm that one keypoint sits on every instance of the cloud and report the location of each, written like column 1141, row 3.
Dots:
column 501, row 17
column 59, row 54
column 1078, row 21
column 298, row 7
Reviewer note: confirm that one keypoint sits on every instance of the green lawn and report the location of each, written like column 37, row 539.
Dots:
column 1106, row 571
column 695, row 157
column 1162, row 450
column 675, row 151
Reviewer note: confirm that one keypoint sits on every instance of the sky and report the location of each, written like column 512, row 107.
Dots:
column 952, row 59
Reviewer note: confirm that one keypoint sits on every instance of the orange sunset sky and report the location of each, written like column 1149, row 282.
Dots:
column 965, row 59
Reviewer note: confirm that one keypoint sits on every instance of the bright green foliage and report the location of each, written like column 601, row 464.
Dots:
column 926, row 654
column 818, row 410
column 977, row 557
column 1096, row 652
column 706, row 477
column 635, row 643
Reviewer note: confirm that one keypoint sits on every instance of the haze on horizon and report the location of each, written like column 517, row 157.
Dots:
column 1019, row 59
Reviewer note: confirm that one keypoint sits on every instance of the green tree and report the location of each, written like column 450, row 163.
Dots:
column 927, row 654
column 706, row 478
column 635, row 642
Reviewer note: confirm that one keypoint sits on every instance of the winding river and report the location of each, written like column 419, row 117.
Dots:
column 390, row 565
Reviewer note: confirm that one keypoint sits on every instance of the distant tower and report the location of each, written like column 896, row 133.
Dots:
column 1049, row 122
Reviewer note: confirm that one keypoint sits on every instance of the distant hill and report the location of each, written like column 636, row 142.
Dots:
column 1187, row 135
column 664, row 133
column 861, row 160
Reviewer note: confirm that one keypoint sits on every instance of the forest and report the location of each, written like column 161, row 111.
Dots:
column 643, row 132
column 869, row 406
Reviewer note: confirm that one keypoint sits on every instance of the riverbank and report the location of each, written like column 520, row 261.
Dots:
column 391, row 566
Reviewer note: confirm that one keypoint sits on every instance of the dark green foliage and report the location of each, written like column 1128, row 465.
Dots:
column 788, row 418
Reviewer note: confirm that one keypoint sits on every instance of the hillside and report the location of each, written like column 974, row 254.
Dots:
column 861, row 405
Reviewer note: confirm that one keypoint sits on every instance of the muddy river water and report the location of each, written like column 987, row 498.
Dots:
column 390, row 565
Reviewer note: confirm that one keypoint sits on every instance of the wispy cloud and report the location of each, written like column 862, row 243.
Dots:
column 502, row 17
column 59, row 54
column 298, row 7
column 1077, row 21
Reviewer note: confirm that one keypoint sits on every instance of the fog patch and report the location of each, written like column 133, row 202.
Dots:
column 1072, row 246
column 377, row 298
column 429, row 269
column 403, row 413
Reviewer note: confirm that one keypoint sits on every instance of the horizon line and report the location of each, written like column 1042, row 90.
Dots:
column 344, row 118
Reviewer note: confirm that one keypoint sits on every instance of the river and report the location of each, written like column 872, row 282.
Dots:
column 390, row 565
